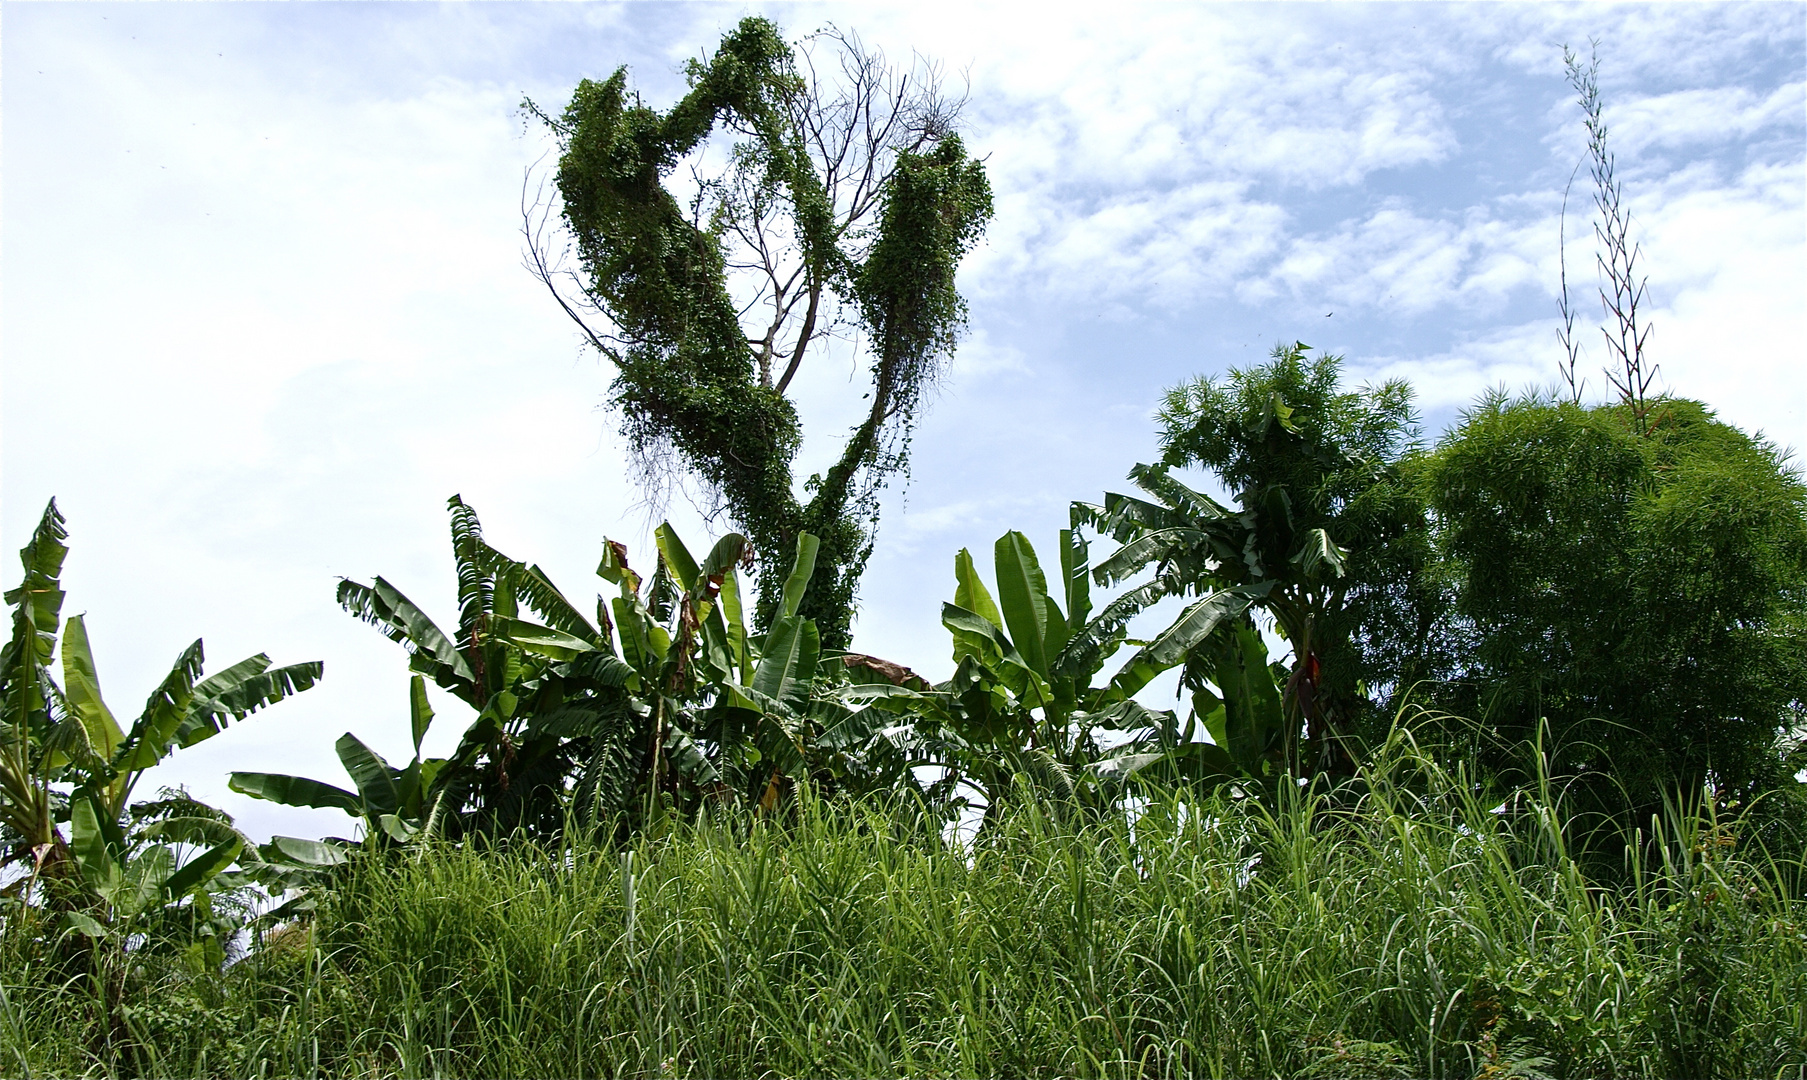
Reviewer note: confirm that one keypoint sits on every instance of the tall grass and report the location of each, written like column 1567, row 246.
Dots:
column 1404, row 928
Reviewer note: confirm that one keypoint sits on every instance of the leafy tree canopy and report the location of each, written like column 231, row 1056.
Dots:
column 1328, row 524
column 1647, row 593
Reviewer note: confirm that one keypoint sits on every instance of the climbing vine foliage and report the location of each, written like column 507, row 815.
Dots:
column 843, row 210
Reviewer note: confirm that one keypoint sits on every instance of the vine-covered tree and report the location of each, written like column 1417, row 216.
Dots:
column 843, row 209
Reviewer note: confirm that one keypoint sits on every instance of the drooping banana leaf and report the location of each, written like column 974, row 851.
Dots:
column 154, row 733
column 688, row 758
column 431, row 653
column 540, row 640
column 1319, row 550
column 723, row 557
column 295, row 791
column 603, row 669
column 1086, row 650
column 1194, row 505
column 312, row 853
column 374, row 777
column 1194, row 626
column 1138, row 553
column 239, row 691
column 544, row 599
column 142, row 881
column 198, row 870
column 1125, row 517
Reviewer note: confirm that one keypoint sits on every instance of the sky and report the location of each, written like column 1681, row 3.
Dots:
column 263, row 309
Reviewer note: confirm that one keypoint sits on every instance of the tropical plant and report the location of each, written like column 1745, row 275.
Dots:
column 161, row 880
column 541, row 691
column 391, row 804
column 679, row 708
column 724, row 702
column 841, row 208
column 1636, row 578
column 1021, row 717
column 1327, row 540
column 124, row 869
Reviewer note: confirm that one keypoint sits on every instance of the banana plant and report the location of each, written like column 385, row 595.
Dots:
column 1022, row 705
column 65, row 758
column 393, row 805
column 619, row 718
column 736, row 708
column 543, row 693
column 164, row 877
column 1228, row 562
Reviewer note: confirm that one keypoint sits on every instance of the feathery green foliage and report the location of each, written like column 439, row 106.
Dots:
column 1646, row 592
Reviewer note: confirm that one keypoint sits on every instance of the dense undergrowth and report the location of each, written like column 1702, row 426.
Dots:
column 1405, row 925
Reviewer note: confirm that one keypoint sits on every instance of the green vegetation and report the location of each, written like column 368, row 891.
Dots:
column 1413, row 930
column 843, row 209
column 1518, row 795
column 1645, row 593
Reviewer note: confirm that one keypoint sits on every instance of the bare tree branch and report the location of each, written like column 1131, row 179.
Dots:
column 535, row 214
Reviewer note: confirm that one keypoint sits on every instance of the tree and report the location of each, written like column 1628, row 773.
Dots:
column 1328, row 539
column 843, row 208
column 1636, row 575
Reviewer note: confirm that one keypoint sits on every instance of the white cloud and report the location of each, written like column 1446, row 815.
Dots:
column 1729, row 285
column 1715, row 114
column 1163, row 248
column 1402, row 263
column 264, row 310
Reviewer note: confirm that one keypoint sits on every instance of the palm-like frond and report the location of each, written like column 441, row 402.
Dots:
column 1158, row 546
column 544, row 600
column 1091, row 643
column 383, row 606
column 240, row 690
column 40, row 597
column 1194, row 505
column 476, row 574
column 164, row 713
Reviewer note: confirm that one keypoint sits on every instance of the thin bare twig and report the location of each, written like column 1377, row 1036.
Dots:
column 1616, row 257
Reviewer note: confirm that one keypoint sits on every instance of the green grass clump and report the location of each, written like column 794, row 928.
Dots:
column 1405, row 930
